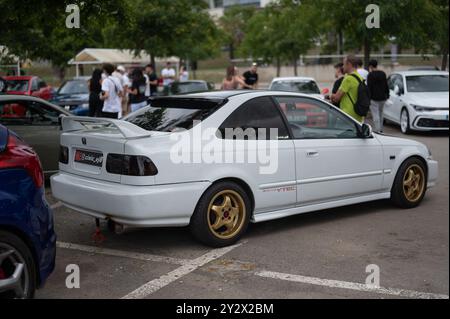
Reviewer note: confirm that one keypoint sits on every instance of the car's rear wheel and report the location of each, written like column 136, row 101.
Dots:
column 17, row 268
column 222, row 215
column 410, row 184
column 404, row 122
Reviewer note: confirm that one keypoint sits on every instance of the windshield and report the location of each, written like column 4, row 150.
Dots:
column 167, row 119
column 74, row 87
column 17, row 86
column 182, row 88
column 427, row 83
column 307, row 87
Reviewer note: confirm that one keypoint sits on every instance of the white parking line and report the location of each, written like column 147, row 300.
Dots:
column 56, row 205
column 350, row 285
column 156, row 284
column 125, row 254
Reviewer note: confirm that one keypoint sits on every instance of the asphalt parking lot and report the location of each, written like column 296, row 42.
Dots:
column 317, row 255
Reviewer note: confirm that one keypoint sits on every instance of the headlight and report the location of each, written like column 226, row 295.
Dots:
column 420, row 108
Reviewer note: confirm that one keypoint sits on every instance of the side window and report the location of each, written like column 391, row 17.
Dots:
column 391, row 82
column 398, row 80
column 255, row 119
column 312, row 119
column 27, row 113
column 34, row 85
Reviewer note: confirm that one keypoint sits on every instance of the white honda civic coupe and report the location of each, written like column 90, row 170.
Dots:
column 216, row 161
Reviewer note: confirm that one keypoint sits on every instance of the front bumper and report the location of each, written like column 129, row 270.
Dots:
column 433, row 173
column 140, row 206
column 431, row 121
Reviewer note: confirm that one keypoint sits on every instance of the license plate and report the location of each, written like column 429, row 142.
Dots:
column 89, row 158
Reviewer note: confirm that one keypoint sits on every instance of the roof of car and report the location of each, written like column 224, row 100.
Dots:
column 294, row 78
column 420, row 72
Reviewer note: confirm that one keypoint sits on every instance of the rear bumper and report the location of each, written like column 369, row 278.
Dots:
column 433, row 173
column 141, row 206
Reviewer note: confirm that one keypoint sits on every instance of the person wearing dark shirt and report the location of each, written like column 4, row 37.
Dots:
column 152, row 80
column 251, row 77
column 339, row 75
column 137, row 96
column 95, row 89
column 379, row 94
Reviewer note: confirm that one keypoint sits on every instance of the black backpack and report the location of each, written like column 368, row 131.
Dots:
column 362, row 104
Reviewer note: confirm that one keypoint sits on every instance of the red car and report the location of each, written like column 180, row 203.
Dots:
column 28, row 85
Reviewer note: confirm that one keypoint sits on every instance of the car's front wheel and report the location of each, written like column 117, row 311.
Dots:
column 404, row 122
column 410, row 184
column 222, row 215
column 17, row 268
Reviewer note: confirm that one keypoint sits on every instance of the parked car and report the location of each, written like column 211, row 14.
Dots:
column 28, row 85
column 296, row 84
column 188, row 87
column 37, row 122
column 157, row 168
column 419, row 100
column 73, row 95
column 27, row 238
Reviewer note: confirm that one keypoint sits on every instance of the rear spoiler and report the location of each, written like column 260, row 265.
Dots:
column 127, row 129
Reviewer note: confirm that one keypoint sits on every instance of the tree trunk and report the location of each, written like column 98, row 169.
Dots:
column 367, row 51
column 278, row 67
column 340, row 43
column 444, row 58
column 60, row 72
column 153, row 61
column 295, row 67
column 231, row 48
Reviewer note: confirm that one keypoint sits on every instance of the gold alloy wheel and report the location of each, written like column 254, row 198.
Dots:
column 226, row 214
column 414, row 183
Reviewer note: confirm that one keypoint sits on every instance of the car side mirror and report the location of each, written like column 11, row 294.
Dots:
column 60, row 118
column 366, row 131
column 398, row 91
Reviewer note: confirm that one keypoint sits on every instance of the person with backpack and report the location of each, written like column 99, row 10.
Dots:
column 111, row 93
column 353, row 95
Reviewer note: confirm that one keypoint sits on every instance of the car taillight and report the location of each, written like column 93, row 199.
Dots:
column 130, row 165
column 20, row 155
column 64, row 154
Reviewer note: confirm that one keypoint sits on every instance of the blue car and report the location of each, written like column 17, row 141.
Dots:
column 27, row 238
column 73, row 95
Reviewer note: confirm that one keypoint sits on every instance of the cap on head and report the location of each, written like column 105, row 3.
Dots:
column 121, row 68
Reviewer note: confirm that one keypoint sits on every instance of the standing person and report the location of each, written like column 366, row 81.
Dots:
column 136, row 92
column 379, row 94
column 95, row 88
column 111, row 91
column 339, row 76
column 232, row 80
column 251, row 77
column 361, row 71
column 347, row 95
column 168, row 74
column 120, row 74
column 151, row 80
column 184, row 74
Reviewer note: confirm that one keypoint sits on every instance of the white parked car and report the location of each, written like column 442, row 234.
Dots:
column 419, row 100
column 303, row 85
column 175, row 163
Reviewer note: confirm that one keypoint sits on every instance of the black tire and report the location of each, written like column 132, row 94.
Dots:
column 407, row 129
column 200, row 224
column 22, row 251
column 398, row 195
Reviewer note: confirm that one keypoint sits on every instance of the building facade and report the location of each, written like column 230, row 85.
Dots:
column 217, row 7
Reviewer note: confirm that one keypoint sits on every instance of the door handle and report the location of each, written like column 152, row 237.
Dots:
column 312, row 153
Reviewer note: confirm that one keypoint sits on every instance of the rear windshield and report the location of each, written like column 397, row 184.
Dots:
column 168, row 119
column 306, row 87
column 17, row 85
column 427, row 83
column 74, row 87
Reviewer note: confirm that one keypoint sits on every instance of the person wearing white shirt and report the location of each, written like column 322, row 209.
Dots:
column 361, row 71
column 111, row 92
column 168, row 74
column 184, row 74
